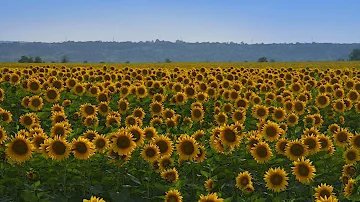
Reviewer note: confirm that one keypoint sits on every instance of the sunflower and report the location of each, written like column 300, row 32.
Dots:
column 322, row 101
column 25, row 101
column 289, row 106
column 57, row 108
column 123, row 105
column 296, row 149
column 19, row 149
column 342, row 137
column 60, row 129
column 200, row 157
column 27, row 120
column 309, row 121
column 88, row 110
column 243, row 180
column 90, row 121
column 173, row 196
column 349, row 188
column 271, row 131
column 292, row 120
column 35, row 103
column 299, row 107
column 94, row 199
column 198, row 135
column 312, row 142
column 197, row 113
column 164, row 143
column 351, row 155
column 2, row 94
column 139, row 113
column 260, row 112
column 34, row 86
column 323, row 190
column 58, row 117
column 78, row 89
column 101, row 143
column 149, row 132
column 339, row 106
column 303, row 170
column 355, row 141
column 279, row 114
column 238, row 116
column 165, row 162
column 201, row 97
column 281, row 146
column 150, row 152
column 137, row 134
column 187, row 147
column 82, row 148
column 276, row 179
column 112, row 120
column 261, row 152
column 209, row 185
column 38, row 139
column 52, row 95
column 123, row 142
column 228, row 136
column 5, row 116
column 57, row 148
column 103, row 108
column 170, row 175
column 211, row 197
column 353, row 95
column 327, row 199
column 221, row 118
column 349, row 170
column 180, row 98
column 3, row 135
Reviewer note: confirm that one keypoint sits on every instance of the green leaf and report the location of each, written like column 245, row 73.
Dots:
column 29, row 196
column 206, row 174
column 134, row 179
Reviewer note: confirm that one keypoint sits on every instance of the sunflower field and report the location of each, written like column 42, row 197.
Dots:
column 206, row 132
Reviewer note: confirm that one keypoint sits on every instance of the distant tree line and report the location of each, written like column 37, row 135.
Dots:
column 26, row 59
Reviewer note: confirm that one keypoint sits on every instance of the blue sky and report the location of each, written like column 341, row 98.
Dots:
column 256, row 21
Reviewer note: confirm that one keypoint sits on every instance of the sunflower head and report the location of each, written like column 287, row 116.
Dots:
column 19, row 149
column 276, row 179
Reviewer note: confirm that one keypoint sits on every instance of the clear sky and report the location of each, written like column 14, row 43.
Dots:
column 249, row 21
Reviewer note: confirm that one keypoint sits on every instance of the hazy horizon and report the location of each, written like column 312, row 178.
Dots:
column 250, row 22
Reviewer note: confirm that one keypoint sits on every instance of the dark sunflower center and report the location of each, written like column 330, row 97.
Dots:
column 156, row 108
column 244, row 181
column 276, row 179
column 38, row 141
column 197, row 113
column 271, row 131
column 351, row 155
column 339, row 106
column 324, row 193
column 342, row 137
column 90, row 136
column 59, row 148
column 171, row 176
column 279, row 114
column 299, row 107
column 303, row 170
column 261, row 112
column 283, row 146
column 172, row 198
column 165, row 163
column 20, row 147
column 34, row 86
column 59, row 131
column 187, row 148
column 221, row 118
column 357, row 141
column 322, row 100
column 238, row 115
column 229, row 135
column 163, row 146
column 292, row 119
column 51, row 94
column 150, row 152
column 180, row 98
column 100, row 143
column 297, row 150
column 310, row 143
column 136, row 135
column 123, row 142
column 89, row 110
column 59, row 119
column 81, row 147
column 104, row 108
column 261, row 151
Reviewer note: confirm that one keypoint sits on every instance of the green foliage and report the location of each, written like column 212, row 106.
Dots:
column 262, row 59
column 355, row 55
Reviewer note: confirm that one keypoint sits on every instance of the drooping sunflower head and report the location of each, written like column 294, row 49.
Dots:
column 209, row 184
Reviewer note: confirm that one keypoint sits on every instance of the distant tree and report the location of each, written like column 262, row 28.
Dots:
column 167, row 60
column 355, row 55
column 272, row 60
column 262, row 59
column 102, row 62
column 64, row 59
column 24, row 59
column 38, row 60
column 85, row 61
column 31, row 60
column 127, row 61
